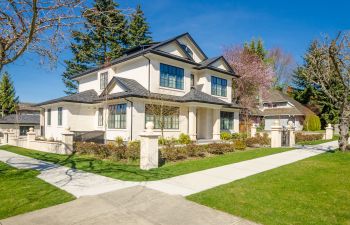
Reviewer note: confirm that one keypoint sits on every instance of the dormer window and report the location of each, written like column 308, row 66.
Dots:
column 103, row 80
column 187, row 49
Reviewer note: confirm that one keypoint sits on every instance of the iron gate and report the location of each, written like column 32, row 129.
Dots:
column 285, row 136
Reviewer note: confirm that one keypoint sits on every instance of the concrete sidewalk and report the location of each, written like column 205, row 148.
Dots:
column 76, row 182
column 80, row 183
column 202, row 180
column 130, row 206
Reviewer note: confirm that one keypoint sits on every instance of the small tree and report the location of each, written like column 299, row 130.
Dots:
column 8, row 99
column 159, row 112
column 329, row 69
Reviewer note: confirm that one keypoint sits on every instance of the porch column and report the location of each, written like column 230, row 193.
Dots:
column 192, row 122
column 236, row 122
column 216, row 124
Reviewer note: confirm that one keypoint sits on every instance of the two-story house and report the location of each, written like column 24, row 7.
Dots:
column 118, row 99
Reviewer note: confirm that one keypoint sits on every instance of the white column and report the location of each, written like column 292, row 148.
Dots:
column 276, row 135
column 149, row 157
column 291, row 131
column 216, row 124
column 192, row 122
column 329, row 132
column 236, row 122
column 253, row 130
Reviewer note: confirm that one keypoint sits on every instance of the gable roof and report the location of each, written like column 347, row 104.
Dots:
column 278, row 96
column 87, row 97
column 207, row 64
column 20, row 119
column 153, row 48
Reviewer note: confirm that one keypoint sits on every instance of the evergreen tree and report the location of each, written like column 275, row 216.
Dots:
column 8, row 99
column 257, row 47
column 104, row 38
column 138, row 29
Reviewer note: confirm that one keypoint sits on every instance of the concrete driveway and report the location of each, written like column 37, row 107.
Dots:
column 131, row 206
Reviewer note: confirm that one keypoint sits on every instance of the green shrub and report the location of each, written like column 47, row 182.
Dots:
column 184, row 139
column 239, row 144
column 300, row 137
column 119, row 141
column 133, row 150
column 167, row 141
column 170, row 153
column 312, row 123
column 219, row 148
column 225, row 136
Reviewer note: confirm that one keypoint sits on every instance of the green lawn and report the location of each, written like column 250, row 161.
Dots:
column 311, row 191
column 132, row 172
column 21, row 191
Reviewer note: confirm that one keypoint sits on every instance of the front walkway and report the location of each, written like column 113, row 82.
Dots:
column 80, row 183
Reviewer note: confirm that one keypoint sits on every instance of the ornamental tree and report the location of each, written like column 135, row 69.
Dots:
column 8, row 98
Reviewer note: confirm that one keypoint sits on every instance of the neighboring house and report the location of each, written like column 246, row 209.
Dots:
column 279, row 106
column 27, row 116
column 117, row 98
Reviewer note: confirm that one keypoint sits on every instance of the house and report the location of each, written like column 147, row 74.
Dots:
column 277, row 105
column 117, row 99
column 28, row 116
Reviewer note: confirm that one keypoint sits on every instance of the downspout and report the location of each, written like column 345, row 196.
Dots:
column 132, row 109
column 149, row 73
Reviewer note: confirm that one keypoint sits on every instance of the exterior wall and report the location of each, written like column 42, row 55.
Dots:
column 172, row 48
column 88, row 82
column 136, row 69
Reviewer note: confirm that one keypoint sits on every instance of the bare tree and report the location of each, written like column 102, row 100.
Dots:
column 329, row 70
column 283, row 65
column 161, row 113
column 34, row 25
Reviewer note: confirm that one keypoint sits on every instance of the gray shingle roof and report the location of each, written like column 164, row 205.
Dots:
column 20, row 119
column 88, row 97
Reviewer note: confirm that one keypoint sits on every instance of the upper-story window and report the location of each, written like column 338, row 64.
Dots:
column 187, row 49
column 103, row 80
column 59, row 116
column 192, row 80
column 171, row 76
column 49, row 117
column 218, row 86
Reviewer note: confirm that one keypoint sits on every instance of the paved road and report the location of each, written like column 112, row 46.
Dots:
column 130, row 206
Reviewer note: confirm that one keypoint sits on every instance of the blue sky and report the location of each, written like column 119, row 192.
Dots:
column 214, row 24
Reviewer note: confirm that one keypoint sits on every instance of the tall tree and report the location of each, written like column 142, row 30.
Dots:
column 138, row 29
column 257, row 47
column 329, row 70
column 35, row 26
column 283, row 65
column 103, row 38
column 8, row 99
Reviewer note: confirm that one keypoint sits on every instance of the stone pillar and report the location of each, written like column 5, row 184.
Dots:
column 216, row 124
column 192, row 122
column 291, row 132
column 31, row 134
column 329, row 132
column 6, row 137
column 67, row 140
column 253, row 130
column 11, row 137
column 276, row 135
column 149, row 158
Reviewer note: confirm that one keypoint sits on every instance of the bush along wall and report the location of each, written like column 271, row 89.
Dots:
column 312, row 123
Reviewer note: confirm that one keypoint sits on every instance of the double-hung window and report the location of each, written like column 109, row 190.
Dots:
column 49, row 117
column 59, row 116
column 226, row 120
column 103, row 80
column 171, row 76
column 218, row 86
column 166, row 117
column 117, row 116
column 100, row 117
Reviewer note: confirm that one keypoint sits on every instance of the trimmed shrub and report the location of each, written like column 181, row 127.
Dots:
column 133, row 150
column 312, row 123
column 258, row 140
column 225, row 136
column 239, row 144
column 219, row 148
column 167, row 141
column 184, row 139
column 300, row 137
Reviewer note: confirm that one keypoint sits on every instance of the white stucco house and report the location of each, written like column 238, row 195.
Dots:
column 116, row 99
column 277, row 105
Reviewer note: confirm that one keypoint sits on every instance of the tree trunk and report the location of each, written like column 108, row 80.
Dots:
column 344, row 128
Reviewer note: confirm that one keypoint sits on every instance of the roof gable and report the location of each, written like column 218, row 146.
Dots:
column 174, row 48
column 222, row 64
column 197, row 53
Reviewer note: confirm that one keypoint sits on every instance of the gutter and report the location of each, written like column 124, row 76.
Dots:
column 131, row 123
